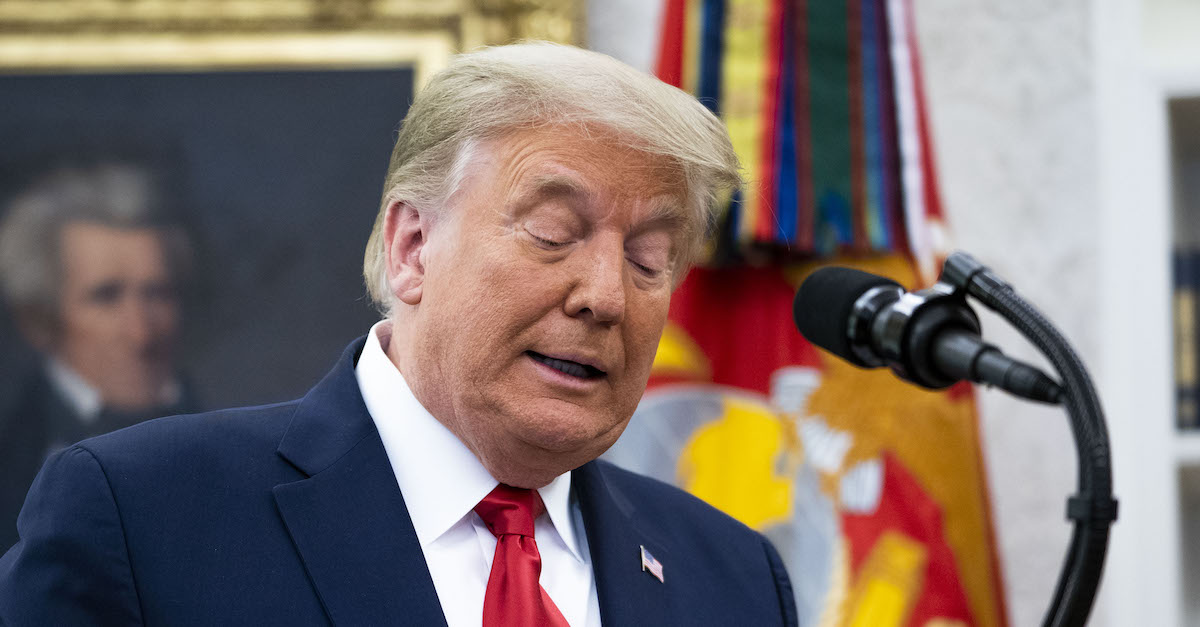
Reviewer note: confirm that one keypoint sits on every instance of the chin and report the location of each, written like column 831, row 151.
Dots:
column 532, row 467
column 540, row 446
column 564, row 428
column 529, row 440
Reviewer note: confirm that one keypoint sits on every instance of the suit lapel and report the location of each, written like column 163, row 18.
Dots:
column 348, row 519
column 627, row 595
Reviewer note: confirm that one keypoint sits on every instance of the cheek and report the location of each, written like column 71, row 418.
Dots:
column 87, row 334
column 483, row 308
column 87, row 321
column 646, row 322
column 165, row 318
column 514, row 291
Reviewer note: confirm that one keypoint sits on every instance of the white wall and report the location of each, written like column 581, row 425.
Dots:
column 625, row 29
column 1011, row 93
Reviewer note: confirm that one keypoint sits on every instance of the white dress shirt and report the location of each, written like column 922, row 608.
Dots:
column 442, row 481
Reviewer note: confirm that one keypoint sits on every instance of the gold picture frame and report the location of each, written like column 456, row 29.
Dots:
column 79, row 36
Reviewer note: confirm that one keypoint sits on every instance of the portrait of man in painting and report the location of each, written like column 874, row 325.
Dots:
column 91, row 266
column 96, row 255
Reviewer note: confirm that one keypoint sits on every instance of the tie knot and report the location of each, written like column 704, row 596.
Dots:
column 509, row 510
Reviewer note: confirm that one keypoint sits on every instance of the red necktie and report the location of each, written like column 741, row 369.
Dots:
column 514, row 598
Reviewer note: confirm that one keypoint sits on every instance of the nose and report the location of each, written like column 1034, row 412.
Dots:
column 148, row 317
column 137, row 322
column 599, row 291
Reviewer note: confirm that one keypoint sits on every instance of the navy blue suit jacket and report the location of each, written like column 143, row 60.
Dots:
column 289, row 514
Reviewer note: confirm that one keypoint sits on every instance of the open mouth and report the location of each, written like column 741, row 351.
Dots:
column 571, row 368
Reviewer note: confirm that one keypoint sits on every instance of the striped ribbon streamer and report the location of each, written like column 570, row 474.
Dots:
column 823, row 103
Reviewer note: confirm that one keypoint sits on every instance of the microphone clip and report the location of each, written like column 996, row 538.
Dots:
column 894, row 328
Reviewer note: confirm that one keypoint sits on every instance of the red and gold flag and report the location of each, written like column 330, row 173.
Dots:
column 873, row 490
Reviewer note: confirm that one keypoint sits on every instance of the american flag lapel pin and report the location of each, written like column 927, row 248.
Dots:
column 651, row 565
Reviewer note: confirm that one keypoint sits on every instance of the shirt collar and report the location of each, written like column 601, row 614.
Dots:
column 85, row 399
column 77, row 392
column 556, row 496
column 417, row 442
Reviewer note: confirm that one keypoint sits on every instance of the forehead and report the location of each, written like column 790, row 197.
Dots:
column 88, row 249
column 591, row 165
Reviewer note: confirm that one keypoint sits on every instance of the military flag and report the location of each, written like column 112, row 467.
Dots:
column 873, row 490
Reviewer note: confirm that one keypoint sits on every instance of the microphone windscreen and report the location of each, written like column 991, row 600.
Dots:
column 824, row 302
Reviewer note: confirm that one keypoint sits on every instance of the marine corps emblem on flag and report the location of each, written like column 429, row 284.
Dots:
column 870, row 488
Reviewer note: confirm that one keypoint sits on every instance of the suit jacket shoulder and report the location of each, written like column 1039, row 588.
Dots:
column 213, row 440
column 37, row 420
column 167, row 522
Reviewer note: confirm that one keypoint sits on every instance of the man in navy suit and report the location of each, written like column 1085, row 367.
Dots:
column 541, row 204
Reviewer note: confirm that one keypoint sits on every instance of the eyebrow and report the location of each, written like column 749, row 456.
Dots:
column 663, row 210
column 555, row 185
column 667, row 211
column 542, row 187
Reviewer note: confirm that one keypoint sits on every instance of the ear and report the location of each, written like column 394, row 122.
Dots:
column 404, row 237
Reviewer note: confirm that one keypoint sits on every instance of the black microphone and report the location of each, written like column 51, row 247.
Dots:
column 929, row 337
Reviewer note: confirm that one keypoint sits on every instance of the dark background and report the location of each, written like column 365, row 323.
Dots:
column 278, row 177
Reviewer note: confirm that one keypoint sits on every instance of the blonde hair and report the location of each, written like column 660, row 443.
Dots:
column 498, row 90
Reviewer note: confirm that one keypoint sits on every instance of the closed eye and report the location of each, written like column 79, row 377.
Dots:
column 644, row 269
column 547, row 243
column 106, row 293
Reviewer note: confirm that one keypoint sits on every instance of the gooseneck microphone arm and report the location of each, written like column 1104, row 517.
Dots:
column 1093, row 509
